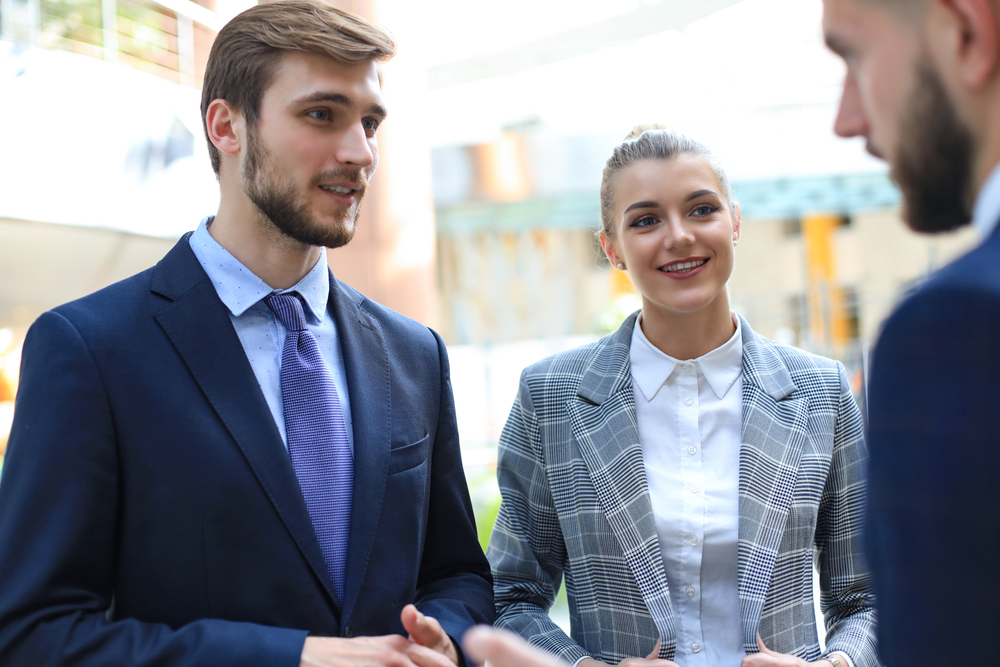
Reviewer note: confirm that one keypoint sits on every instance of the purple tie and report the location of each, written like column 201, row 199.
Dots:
column 317, row 436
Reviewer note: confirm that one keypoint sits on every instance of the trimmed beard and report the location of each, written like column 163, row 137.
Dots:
column 934, row 160
column 280, row 209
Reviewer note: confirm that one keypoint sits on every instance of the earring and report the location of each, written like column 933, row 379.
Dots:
column 620, row 266
column 736, row 242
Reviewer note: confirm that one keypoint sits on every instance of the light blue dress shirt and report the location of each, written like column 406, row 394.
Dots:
column 987, row 210
column 261, row 332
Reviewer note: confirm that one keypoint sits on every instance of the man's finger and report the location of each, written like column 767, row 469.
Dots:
column 422, row 656
column 422, row 629
column 505, row 649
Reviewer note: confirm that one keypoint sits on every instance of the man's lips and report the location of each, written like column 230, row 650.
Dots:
column 684, row 267
column 343, row 189
column 344, row 194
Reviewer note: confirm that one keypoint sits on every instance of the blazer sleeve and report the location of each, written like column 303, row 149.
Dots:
column 58, row 511
column 526, row 550
column 454, row 584
column 846, row 596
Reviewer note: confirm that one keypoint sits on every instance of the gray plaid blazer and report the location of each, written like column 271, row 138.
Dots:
column 575, row 504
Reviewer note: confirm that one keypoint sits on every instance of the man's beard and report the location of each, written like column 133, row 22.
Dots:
column 281, row 209
column 933, row 165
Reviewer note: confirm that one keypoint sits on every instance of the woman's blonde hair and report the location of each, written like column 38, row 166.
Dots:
column 656, row 143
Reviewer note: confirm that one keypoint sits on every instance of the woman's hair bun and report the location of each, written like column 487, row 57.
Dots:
column 639, row 129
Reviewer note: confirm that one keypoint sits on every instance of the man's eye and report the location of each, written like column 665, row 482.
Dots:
column 320, row 114
column 370, row 124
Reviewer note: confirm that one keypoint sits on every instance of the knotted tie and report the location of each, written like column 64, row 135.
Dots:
column 317, row 436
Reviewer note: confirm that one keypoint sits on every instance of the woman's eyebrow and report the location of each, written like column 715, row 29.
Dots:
column 701, row 193
column 641, row 204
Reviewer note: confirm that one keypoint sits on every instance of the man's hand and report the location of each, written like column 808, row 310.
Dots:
column 768, row 658
column 426, row 632
column 505, row 649
column 386, row 651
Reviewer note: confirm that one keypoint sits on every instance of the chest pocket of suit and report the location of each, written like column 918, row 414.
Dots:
column 408, row 456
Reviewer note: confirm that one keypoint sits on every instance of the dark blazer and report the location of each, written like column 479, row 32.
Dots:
column 150, row 515
column 933, row 534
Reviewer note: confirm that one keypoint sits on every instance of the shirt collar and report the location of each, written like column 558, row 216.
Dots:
column 987, row 211
column 651, row 367
column 239, row 288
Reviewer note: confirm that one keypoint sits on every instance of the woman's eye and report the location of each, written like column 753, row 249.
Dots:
column 644, row 221
column 320, row 114
column 704, row 209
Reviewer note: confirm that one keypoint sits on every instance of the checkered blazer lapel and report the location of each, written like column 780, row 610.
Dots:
column 775, row 426
column 603, row 419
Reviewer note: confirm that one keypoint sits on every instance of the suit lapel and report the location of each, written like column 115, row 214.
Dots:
column 775, row 424
column 604, row 425
column 366, row 361
column 198, row 325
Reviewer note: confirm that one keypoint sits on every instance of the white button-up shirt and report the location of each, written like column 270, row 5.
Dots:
column 690, row 421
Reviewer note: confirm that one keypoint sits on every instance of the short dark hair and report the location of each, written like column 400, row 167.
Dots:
column 246, row 51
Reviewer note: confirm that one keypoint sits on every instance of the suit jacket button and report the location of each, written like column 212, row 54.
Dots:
column 348, row 631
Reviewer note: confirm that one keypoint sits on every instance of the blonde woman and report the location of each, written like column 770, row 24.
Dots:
column 681, row 473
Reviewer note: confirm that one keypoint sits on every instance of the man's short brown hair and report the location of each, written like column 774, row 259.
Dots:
column 246, row 51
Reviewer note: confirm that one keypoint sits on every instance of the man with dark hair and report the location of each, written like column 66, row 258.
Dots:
column 923, row 88
column 232, row 458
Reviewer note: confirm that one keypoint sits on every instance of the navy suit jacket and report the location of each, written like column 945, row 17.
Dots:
column 150, row 515
column 933, row 532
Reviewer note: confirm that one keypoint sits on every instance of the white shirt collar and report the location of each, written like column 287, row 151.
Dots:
column 987, row 211
column 651, row 367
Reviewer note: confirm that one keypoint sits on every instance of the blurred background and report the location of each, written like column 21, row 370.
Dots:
column 481, row 219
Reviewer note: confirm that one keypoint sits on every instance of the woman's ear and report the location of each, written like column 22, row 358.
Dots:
column 609, row 248
column 225, row 127
column 736, row 222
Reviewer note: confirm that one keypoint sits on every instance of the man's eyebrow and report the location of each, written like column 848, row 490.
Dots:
column 336, row 98
column 641, row 204
column 341, row 100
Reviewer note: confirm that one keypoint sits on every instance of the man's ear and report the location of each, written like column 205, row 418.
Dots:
column 971, row 39
column 225, row 127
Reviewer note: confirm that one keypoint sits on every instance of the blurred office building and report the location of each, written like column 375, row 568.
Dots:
column 821, row 261
column 481, row 219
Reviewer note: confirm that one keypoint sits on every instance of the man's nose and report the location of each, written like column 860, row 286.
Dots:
column 851, row 120
column 355, row 148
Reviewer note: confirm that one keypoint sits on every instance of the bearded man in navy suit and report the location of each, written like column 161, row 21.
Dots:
column 923, row 88
column 152, row 508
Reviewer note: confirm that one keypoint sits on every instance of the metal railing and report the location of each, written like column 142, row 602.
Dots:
column 169, row 38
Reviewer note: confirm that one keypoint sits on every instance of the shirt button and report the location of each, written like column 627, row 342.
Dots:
column 688, row 401
column 692, row 450
column 695, row 647
column 686, row 367
column 694, row 488
column 690, row 592
column 693, row 540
